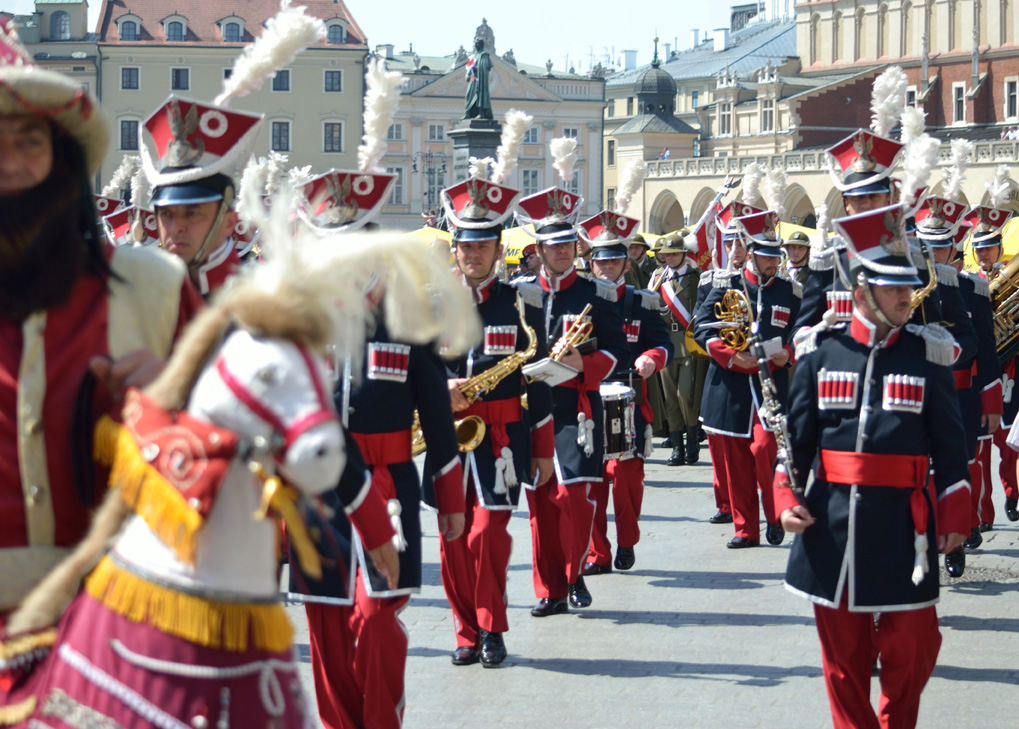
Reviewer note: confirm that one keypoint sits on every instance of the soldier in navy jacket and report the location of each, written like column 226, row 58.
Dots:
column 743, row 451
column 871, row 404
column 518, row 443
column 650, row 351
column 561, row 511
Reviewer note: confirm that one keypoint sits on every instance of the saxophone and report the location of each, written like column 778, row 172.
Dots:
column 918, row 295
column 470, row 431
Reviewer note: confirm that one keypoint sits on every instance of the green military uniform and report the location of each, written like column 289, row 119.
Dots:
column 639, row 275
column 799, row 273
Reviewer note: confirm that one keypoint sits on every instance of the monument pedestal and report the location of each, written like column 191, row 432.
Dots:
column 473, row 138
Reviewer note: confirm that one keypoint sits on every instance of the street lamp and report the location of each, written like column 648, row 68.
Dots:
column 434, row 171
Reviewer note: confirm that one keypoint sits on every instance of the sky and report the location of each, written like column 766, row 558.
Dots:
column 579, row 34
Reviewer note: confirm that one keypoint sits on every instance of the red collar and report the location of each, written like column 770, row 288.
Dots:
column 560, row 283
column 484, row 290
column 220, row 266
column 753, row 277
column 865, row 332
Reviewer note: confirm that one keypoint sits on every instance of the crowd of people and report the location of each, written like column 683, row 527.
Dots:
column 815, row 368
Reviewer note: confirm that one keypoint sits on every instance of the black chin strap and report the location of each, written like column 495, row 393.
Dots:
column 861, row 278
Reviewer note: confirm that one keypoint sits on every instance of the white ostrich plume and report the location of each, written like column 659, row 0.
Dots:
column 775, row 184
column 955, row 173
column 913, row 124
column 887, row 100
column 275, row 168
column 820, row 241
column 122, row 175
column 999, row 187
column 564, row 157
column 140, row 188
column 299, row 176
column 285, row 35
column 480, row 167
column 629, row 184
column 250, row 188
column 380, row 103
column 921, row 157
column 513, row 131
column 752, row 176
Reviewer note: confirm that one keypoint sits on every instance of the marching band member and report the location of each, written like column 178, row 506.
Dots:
column 651, row 349
column 869, row 404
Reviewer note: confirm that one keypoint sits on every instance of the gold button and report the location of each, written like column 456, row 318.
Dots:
column 35, row 495
column 33, row 426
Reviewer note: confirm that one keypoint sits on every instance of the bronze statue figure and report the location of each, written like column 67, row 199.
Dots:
column 478, row 104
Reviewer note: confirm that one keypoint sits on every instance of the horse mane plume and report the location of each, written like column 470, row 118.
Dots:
column 122, row 175
column 751, row 190
column 513, row 131
column 913, row 124
column 285, row 35
column 381, row 100
column 629, row 184
column 999, row 187
column 564, row 157
column 955, row 173
column 887, row 100
column 775, row 185
column 921, row 157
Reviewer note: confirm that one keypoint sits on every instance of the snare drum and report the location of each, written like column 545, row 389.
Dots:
column 617, row 408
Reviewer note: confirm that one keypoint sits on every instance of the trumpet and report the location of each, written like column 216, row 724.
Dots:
column 577, row 334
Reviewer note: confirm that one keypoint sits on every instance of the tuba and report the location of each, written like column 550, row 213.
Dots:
column 1005, row 305
column 736, row 316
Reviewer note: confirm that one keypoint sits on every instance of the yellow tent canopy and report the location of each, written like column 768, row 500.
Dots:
column 430, row 234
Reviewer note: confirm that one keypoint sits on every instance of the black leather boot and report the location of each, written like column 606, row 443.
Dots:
column 955, row 562
column 693, row 447
column 677, row 458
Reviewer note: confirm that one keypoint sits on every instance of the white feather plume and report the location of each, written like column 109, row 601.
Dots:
column 629, row 184
column 564, row 157
column 751, row 190
column 275, row 169
column 480, row 167
column 1000, row 187
column 913, row 124
column 820, row 241
column 775, row 184
column 285, row 35
column 513, row 131
column 887, row 100
column 955, row 173
column 251, row 185
column 299, row 176
column 140, row 188
column 122, row 175
column 381, row 100
column 920, row 158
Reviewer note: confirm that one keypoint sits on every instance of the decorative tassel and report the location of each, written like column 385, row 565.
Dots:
column 230, row 626
column 649, row 447
column 394, row 509
column 505, row 471
column 16, row 713
column 921, row 565
column 280, row 500
column 585, row 433
column 26, row 650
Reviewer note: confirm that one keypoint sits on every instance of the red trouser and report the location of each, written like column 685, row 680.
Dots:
column 561, row 519
column 907, row 642
column 982, row 494
column 627, row 479
column 1006, row 469
column 358, row 657
column 719, row 482
column 474, row 571
column 744, row 461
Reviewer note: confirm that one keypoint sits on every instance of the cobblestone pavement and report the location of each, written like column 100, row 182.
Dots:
column 695, row 635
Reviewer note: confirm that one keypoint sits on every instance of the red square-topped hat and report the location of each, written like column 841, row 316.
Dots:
column 341, row 200
column 863, row 162
column 987, row 223
column 877, row 247
column 131, row 226
column 107, row 205
column 552, row 212
column 476, row 204
column 762, row 231
column 726, row 217
column 607, row 228
column 937, row 218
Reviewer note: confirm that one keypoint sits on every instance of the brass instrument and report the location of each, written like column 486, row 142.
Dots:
column 470, row 431
column 734, row 309
column 1005, row 303
column 696, row 351
column 918, row 295
column 577, row 334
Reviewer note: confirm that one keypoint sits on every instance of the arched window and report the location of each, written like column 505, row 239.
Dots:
column 814, row 22
column 60, row 26
column 882, row 31
column 335, row 34
column 906, row 41
column 232, row 33
column 129, row 31
column 175, row 31
column 836, row 36
column 858, row 42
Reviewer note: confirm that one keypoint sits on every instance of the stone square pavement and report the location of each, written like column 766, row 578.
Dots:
column 695, row 635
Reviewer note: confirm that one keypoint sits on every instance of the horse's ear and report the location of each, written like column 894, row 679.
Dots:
column 202, row 337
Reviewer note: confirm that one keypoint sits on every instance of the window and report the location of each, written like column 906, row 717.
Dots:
column 768, row 115
column 610, row 153
column 724, row 118
column 694, row 99
column 335, row 34
column 60, row 26
column 530, row 181
column 281, row 81
column 129, row 78
column 571, row 132
column 232, row 33
column 334, row 81
column 281, row 136
column 610, row 110
column 629, row 106
column 435, row 176
column 395, row 133
column 610, row 198
column 436, row 132
column 333, row 137
column 959, row 103
column 129, row 31
column 911, row 96
column 574, row 185
column 128, row 134
column 228, row 72
column 175, row 31
column 531, row 136
column 1011, row 107
column 396, row 192
column 180, row 79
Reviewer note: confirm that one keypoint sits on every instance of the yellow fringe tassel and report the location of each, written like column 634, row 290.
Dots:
column 161, row 505
column 211, row 623
column 17, row 713
column 26, row 643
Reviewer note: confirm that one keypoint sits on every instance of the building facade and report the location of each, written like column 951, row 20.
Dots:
column 56, row 35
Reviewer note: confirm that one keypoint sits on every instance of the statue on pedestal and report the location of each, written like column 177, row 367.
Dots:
column 478, row 103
